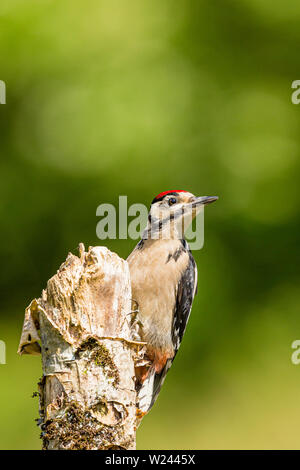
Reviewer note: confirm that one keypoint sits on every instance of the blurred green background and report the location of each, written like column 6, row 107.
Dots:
column 109, row 98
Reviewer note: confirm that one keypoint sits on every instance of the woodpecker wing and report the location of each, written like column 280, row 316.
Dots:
column 186, row 290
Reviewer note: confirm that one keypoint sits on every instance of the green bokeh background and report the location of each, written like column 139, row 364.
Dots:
column 109, row 98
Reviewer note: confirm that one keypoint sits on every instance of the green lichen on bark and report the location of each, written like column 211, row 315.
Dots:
column 77, row 429
column 100, row 355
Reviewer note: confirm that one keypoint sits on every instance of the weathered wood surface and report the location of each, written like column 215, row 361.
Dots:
column 89, row 349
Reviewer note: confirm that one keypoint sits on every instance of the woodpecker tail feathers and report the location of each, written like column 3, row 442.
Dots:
column 149, row 390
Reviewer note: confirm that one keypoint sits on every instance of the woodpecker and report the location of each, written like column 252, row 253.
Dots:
column 164, row 282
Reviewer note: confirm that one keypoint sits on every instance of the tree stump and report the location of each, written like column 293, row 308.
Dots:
column 89, row 348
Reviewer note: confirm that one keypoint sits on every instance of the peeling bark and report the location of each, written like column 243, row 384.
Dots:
column 89, row 348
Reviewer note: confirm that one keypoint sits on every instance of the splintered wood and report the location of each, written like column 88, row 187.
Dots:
column 83, row 323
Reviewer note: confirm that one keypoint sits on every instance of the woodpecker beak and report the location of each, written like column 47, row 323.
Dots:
column 201, row 201
column 198, row 203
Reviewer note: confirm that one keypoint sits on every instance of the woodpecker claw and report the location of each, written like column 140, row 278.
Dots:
column 133, row 311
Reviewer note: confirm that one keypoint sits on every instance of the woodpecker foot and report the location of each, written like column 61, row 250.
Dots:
column 134, row 318
column 134, row 322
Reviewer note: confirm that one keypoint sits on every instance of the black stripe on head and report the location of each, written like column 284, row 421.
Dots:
column 140, row 244
column 163, row 197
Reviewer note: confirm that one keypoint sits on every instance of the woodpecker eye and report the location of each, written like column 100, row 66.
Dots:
column 172, row 201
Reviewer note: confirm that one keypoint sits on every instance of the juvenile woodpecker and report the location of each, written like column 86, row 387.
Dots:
column 164, row 283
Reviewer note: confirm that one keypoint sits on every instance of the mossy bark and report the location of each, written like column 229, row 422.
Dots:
column 82, row 326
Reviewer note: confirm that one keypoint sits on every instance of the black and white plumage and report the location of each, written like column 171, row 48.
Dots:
column 186, row 290
column 164, row 282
